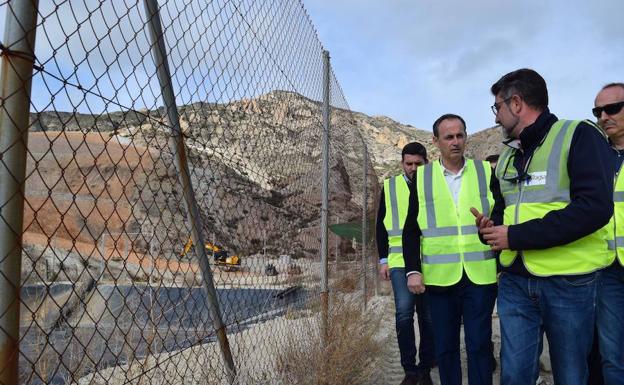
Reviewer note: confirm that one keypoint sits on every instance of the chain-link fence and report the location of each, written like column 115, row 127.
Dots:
column 153, row 128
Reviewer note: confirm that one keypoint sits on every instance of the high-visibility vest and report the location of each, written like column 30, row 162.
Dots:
column 396, row 195
column 546, row 189
column 615, row 240
column 450, row 241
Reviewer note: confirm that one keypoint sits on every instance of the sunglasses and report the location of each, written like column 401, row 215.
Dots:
column 609, row 109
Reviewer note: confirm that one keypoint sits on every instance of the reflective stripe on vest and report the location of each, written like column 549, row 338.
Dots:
column 396, row 193
column 552, row 191
column 615, row 240
column 396, row 229
column 456, row 258
column 450, row 243
column 548, row 189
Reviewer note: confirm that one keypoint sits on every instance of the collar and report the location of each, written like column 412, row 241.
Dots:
column 446, row 171
column 533, row 134
column 407, row 179
column 620, row 152
column 513, row 143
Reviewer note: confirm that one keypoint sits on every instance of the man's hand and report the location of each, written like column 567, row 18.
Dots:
column 481, row 220
column 384, row 273
column 415, row 283
column 496, row 237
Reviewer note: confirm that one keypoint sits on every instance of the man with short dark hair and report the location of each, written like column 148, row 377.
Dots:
column 443, row 253
column 390, row 220
column 556, row 186
column 609, row 111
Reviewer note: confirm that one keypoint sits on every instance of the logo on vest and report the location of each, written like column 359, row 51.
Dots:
column 537, row 178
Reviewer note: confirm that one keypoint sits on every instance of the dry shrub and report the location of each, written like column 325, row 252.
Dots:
column 348, row 280
column 346, row 283
column 351, row 354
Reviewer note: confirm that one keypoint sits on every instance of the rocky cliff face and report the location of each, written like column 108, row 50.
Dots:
column 279, row 117
column 255, row 167
column 484, row 143
column 386, row 137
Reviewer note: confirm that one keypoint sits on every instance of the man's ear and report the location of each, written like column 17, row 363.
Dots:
column 517, row 104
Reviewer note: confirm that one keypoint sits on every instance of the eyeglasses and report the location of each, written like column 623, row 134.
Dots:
column 496, row 106
column 524, row 176
column 609, row 109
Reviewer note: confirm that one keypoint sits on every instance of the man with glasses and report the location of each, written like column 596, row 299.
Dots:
column 556, row 183
column 390, row 219
column 609, row 110
column 444, row 256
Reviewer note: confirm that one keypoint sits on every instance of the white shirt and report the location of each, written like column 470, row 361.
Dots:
column 453, row 180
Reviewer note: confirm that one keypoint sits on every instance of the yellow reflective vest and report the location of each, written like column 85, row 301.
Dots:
column 396, row 196
column 615, row 240
column 450, row 241
column 547, row 188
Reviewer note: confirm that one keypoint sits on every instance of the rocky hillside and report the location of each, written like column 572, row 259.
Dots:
column 102, row 182
column 484, row 143
column 282, row 111
column 386, row 137
column 255, row 167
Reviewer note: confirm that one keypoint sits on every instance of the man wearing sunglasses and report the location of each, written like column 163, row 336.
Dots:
column 390, row 219
column 444, row 256
column 556, row 181
column 609, row 110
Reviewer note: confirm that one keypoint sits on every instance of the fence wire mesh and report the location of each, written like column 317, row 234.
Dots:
column 111, row 290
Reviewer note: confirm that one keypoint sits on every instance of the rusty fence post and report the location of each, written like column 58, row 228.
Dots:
column 325, row 202
column 364, row 224
column 16, row 79
column 178, row 149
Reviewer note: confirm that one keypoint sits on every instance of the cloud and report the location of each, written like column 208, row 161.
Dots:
column 443, row 55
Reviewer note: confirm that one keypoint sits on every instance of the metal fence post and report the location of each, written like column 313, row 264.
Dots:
column 16, row 82
column 325, row 201
column 178, row 148
column 364, row 222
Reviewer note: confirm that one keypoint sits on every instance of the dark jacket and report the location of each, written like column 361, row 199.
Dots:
column 381, row 233
column 590, row 167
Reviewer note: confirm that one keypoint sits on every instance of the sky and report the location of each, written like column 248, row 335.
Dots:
column 414, row 60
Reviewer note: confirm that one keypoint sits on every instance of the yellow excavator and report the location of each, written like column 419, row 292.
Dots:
column 221, row 256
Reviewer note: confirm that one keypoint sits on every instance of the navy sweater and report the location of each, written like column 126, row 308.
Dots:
column 590, row 167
